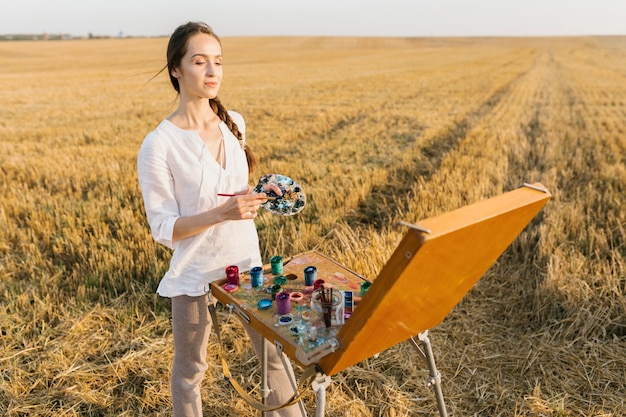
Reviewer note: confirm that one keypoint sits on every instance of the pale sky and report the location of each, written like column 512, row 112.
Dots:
column 321, row 17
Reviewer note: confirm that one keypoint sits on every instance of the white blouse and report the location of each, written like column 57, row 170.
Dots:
column 179, row 177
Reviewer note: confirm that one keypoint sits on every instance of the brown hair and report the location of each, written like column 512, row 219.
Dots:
column 176, row 49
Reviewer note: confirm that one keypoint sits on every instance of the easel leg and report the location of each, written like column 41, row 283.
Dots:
column 292, row 380
column 434, row 379
column 319, row 385
column 264, row 391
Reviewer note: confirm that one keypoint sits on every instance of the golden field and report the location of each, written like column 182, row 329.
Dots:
column 376, row 130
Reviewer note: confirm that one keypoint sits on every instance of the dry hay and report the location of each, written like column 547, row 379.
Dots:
column 442, row 123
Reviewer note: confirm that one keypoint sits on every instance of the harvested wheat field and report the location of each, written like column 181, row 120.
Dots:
column 376, row 130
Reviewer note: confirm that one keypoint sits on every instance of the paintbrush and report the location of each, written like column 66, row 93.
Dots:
column 233, row 195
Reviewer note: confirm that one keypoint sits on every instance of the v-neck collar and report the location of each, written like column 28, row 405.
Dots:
column 192, row 133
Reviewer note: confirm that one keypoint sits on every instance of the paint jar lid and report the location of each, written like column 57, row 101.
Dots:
column 230, row 287
column 296, row 296
column 264, row 304
column 280, row 280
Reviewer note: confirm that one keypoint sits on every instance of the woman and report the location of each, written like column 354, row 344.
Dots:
column 195, row 153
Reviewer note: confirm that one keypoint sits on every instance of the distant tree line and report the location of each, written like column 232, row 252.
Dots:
column 49, row 37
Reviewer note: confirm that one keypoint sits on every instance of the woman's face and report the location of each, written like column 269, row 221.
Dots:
column 200, row 72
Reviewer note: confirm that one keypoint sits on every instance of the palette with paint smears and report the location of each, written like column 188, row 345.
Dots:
column 291, row 201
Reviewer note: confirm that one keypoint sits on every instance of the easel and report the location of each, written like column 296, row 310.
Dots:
column 437, row 262
column 434, row 378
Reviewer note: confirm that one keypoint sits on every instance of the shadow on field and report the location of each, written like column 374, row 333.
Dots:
column 385, row 201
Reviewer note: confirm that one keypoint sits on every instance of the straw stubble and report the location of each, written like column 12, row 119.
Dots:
column 401, row 129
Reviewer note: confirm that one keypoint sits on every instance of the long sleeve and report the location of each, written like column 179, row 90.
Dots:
column 157, row 188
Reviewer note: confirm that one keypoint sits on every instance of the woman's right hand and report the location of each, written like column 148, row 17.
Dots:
column 243, row 205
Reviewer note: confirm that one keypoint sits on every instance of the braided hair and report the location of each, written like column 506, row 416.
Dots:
column 221, row 112
column 176, row 49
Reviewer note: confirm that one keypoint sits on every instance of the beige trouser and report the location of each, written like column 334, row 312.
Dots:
column 191, row 326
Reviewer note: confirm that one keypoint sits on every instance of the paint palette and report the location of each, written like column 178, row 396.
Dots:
column 291, row 201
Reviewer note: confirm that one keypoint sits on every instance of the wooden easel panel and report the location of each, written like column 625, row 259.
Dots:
column 429, row 273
